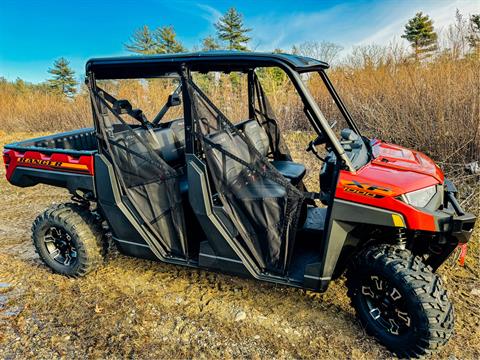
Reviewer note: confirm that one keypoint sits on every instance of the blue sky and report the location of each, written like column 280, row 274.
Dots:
column 34, row 33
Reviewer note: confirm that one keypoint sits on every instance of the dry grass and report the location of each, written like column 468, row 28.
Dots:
column 143, row 309
column 433, row 107
column 28, row 110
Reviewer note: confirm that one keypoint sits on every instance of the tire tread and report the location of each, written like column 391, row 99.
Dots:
column 423, row 286
column 83, row 225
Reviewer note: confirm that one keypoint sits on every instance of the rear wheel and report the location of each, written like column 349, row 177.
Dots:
column 69, row 239
column 400, row 301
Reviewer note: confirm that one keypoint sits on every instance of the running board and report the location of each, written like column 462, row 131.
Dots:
column 209, row 260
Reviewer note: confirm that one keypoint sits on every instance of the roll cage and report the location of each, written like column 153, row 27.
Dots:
column 224, row 61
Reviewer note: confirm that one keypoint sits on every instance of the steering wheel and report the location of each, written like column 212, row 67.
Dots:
column 319, row 140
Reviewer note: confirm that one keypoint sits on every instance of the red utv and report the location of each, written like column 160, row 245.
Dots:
column 212, row 192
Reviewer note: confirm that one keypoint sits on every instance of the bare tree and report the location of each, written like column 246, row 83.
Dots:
column 364, row 56
column 455, row 39
column 397, row 53
column 324, row 50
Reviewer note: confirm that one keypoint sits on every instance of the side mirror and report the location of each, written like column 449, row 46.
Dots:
column 174, row 100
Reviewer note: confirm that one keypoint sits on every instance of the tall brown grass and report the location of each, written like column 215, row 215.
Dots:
column 28, row 109
column 433, row 106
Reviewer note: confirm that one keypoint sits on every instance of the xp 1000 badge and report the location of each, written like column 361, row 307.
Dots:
column 365, row 189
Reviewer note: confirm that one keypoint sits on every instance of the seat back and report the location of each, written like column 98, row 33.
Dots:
column 168, row 146
column 257, row 136
column 163, row 142
column 178, row 127
column 230, row 167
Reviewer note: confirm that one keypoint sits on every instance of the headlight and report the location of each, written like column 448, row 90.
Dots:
column 420, row 198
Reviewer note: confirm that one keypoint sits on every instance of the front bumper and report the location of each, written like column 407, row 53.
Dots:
column 454, row 228
column 453, row 221
column 462, row 227
column 461, row 224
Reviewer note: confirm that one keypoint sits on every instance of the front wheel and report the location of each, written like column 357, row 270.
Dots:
column 400, row 301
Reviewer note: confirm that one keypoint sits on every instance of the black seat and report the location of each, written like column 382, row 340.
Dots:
column 178, row 127
column 233, row 172
column 167, row 143
column 293, row 171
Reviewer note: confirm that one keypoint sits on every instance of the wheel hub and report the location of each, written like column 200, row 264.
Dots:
column 386, row 305
column 60, row 246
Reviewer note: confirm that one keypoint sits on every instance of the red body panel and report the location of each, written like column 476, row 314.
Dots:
column 400, row 158
column 393, row 171
column 56, row 162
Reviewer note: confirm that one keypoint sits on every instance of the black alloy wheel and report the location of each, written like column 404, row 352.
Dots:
column 60, row 246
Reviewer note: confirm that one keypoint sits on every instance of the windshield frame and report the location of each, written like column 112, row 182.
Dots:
column 316, row 116
column 340, row 105
column 339, row 102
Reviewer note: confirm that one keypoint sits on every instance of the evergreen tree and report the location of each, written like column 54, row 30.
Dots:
column 166, row 41
column 473, row 37
column 230, row 28
column 63, row 80
column 420, row 33
column 142, row 42
column 210, row 43
column 160, row 41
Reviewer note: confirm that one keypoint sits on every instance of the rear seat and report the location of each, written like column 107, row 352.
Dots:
column 169, row 146
column 257, row 135
column 178, row 128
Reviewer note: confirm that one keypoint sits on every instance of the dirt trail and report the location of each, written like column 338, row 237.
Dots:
column 144, row 309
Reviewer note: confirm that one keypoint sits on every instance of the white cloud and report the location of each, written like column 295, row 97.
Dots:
column 346, row 24
column 209, row 13
column 272, row 31
column 441, row 12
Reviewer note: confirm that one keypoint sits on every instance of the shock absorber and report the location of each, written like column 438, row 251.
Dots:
column 401, row 238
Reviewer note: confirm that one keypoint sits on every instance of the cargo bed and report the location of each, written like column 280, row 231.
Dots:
column 65, row 160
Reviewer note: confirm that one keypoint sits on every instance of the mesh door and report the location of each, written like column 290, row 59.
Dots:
column 263, row 205
column 149, row 183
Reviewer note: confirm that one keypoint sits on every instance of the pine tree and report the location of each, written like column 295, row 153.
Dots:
column 420, row 33
column 210, row 43
column 473, row 37
column 166, row 41
column 142, row 42
column 160, row 41
column 63, row 80
column 230, row 28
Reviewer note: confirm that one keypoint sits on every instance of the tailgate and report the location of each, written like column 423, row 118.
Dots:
column 27, row 163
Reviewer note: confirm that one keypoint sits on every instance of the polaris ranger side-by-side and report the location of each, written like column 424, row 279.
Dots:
column 212, row 192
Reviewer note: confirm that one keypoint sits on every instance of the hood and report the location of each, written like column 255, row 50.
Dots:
column 400, row 158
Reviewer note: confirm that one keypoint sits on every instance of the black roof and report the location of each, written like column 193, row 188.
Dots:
column 157, row 65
